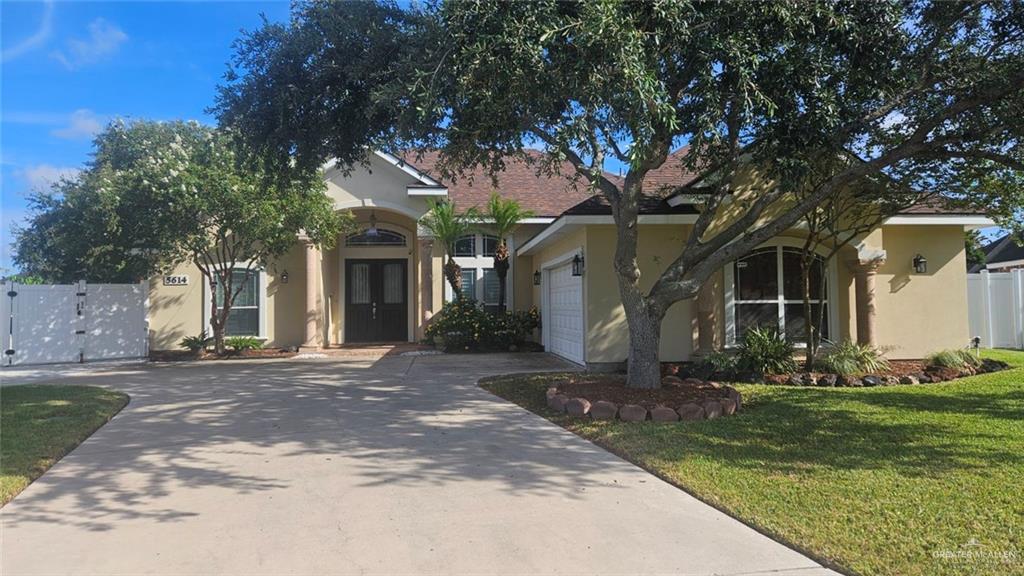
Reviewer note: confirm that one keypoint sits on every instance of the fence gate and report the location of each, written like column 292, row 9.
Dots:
column 44, row 324
column 995, row 305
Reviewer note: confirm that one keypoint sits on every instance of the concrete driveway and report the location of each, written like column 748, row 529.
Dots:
column 396, row 465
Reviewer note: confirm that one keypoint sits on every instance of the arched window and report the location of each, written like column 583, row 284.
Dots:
column 381, row 238
column 765, row 287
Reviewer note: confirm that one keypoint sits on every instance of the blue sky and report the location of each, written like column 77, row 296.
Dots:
column 69, row 67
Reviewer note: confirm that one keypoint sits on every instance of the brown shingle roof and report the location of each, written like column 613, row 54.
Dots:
column 598, row 206
column 665, row 179
column 542, row 194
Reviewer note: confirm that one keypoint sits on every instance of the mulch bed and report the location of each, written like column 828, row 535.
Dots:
column 612, row 387
column 186, row 356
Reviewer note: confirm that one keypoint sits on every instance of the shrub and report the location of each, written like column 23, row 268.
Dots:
column 847, row 358
column 765, row 351
column 196, row 343
column 243, row 343
column 718, row 362
column 961, row 358
column 462, row 325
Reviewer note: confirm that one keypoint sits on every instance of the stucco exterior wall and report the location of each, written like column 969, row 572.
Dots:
column 922, row 313
column 175, row 311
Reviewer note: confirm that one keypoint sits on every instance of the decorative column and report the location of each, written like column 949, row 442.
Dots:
column 864, row 271
column 426, row 281
column 312, row 292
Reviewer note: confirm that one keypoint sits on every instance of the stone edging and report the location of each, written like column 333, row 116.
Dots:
column 708, row 409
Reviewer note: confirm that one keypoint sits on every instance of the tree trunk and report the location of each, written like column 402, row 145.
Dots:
column 453, row 273
column 216, row 323
column 809, row 331
column 644, row 364
column 501, row 266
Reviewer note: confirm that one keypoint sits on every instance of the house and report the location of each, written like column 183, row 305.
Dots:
column 1002, row 255
column 384, row 282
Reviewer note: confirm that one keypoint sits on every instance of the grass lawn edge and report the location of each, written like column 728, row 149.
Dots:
column 34, row 474
column 689, row 490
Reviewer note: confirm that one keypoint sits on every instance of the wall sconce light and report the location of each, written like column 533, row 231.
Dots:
column 920, row 264
column 577, row 265
column 536, row 278
column 284, row 277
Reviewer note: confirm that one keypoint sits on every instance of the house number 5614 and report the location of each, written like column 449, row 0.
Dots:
column 176, row 280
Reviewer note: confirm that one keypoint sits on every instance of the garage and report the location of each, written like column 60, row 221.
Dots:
column 563, row 321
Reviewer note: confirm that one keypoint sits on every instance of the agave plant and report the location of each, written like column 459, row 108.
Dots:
column 446, row 224
column 504, row 217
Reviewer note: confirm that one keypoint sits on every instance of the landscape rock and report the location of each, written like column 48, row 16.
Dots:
column 923, row 378
column 734, row 394
column 712, row 409
column 890, row 380
column 827, row 380
column 664, row 414
column 777, row 379
column 808, row 379
column 604, row 410
column 909, row 379
column 693, row 382
column 851, row 381
column 794, row 380
column 691, row 412
column 671, row 381
column 632, row 413
column 577, row 407
column 872, row 380
column 557, row 402
column 728, row 406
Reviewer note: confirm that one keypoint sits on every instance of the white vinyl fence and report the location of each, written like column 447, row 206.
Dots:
column 995, row 304
column 43, row 324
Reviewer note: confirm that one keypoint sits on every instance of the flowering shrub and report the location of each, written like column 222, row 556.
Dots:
column 463, row 325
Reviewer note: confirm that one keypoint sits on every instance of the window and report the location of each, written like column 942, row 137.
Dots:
column 381, row 238
column 491, row 288
column 490, row 246
column 244, row 319
column 469, row 283
column 466, row 246
column 767, row 289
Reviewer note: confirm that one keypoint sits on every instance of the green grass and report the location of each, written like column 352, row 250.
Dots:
column 40, row 424
column 877, row 480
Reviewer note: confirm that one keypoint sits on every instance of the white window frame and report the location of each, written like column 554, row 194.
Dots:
column 479, row 262
column 831, row 296
column 261, row 287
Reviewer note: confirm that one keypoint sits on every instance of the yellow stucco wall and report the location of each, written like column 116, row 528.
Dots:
column 922, row 313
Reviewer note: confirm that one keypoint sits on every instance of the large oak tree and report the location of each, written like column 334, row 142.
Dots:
column 927, row 95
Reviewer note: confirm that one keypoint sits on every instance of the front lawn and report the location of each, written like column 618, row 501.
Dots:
column 40, row 424
column 923, row 479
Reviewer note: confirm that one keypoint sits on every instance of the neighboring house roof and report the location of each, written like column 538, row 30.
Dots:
column 1004, row 251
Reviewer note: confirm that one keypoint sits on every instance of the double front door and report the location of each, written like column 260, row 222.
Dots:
column 376, row 301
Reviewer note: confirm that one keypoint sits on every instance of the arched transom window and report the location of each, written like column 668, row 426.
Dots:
column 766, row 288
column 380, row 237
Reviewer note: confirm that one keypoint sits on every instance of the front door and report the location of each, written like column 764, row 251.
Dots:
column 376, row 301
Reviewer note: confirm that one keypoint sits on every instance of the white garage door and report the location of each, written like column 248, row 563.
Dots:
column 564, row 318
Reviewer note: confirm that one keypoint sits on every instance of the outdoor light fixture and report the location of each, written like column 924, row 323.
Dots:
column 284, row 277
column 920, row 264
column 577, row 265
column 536, row 278
column 372, row 230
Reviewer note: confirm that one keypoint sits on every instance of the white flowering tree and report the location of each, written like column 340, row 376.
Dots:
column 161, row 193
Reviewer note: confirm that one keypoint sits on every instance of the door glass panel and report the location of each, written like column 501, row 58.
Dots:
column 469, row 283
column 394, row 291
column 757, row 276
column 360, row 284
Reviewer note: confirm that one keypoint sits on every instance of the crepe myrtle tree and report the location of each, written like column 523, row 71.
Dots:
column 161, row 193
column 926, row 94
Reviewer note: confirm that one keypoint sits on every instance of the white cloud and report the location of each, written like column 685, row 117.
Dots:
column 104, row 39
column 41, row 35
column 43, row 176
column 82, row 124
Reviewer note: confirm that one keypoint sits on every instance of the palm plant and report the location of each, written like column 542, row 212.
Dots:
column 504, row 217
column 447, row 225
